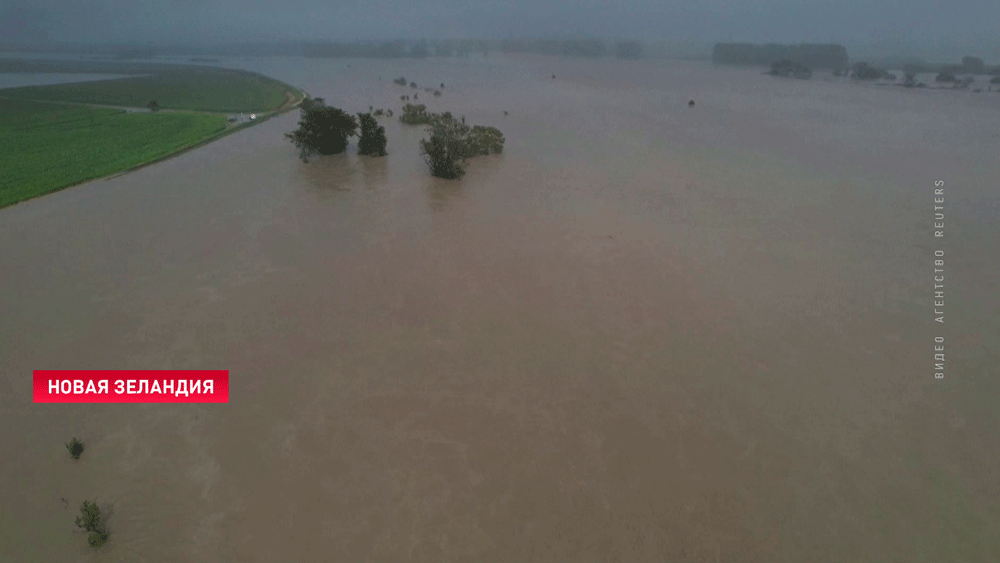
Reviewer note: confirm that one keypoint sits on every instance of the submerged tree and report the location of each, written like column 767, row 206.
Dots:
column 446, row 151
column 372, row 141
column 90, row 520
column 452, row 143
column 323, row 130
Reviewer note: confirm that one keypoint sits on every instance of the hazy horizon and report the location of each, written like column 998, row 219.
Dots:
column 930, row 29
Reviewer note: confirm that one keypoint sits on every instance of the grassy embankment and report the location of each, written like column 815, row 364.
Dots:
column 52, row 141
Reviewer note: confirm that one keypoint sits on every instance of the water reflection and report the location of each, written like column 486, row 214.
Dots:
column 444, row 194
column 331, row 174
column 376, row 170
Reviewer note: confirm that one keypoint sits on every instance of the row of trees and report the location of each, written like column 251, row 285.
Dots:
column 451, row 143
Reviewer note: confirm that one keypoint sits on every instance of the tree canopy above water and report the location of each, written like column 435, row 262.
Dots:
column 323, row 130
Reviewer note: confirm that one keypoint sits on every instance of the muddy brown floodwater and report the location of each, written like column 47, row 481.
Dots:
column 646, row 332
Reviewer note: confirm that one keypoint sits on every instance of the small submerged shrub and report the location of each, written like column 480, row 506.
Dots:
column 401, row 81
column 75, row 448
column 90, row 520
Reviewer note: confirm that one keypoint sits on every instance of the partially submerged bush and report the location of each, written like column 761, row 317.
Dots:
column 787, row 68
column 401, row 81
column 75, row 448
column 413, row 84
column 864, row 71
column 323, row 130
column 416, row 115
column 995, row 80
column 485, row 140
column 945, row 77
column 90, row 520
column 372, row 141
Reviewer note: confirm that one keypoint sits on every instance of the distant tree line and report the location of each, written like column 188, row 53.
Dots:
column 828, row 56
column 565, row 47
column 629, row 50
column 395, row 49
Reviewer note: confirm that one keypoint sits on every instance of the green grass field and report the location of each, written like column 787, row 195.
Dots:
column 47, row 147
column 184, row 87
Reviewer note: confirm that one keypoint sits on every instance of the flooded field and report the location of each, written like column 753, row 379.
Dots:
column 646, row 332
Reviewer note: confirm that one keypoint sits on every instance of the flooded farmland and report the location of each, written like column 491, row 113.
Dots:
column 646, row 332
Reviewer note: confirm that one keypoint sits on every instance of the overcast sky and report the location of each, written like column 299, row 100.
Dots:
column 917, row 26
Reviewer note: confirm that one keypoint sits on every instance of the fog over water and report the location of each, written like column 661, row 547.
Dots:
column 938, row 29
column 646, row 332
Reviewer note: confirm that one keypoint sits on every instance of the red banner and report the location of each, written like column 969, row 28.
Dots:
column 131, row 386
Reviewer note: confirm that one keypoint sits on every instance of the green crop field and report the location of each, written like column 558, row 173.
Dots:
column 47, row 147
column 184, row 87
